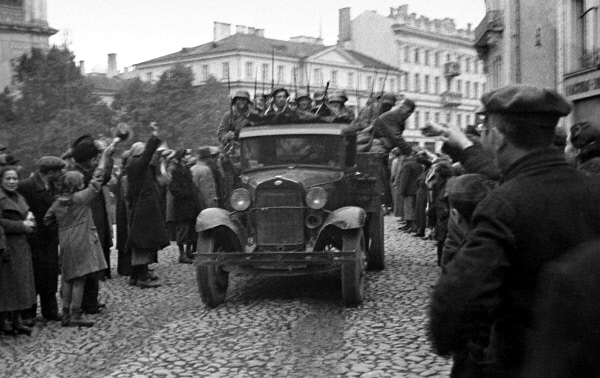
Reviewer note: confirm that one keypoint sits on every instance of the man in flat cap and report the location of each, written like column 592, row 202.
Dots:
column 39, row 191
column 483, row 303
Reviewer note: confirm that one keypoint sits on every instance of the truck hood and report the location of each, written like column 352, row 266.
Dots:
column 308, row 177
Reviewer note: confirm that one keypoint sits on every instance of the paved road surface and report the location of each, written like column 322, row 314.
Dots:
column 269, row 327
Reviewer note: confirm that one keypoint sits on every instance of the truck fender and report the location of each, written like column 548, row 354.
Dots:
column 214, row 217
column 344, row 218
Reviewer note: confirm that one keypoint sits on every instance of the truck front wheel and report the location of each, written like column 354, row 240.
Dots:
column 212, row 279
column 353, row 274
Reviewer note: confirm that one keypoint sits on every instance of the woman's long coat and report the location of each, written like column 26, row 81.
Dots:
column 80, row 248
column 148, row 229
column 182, row 198
column 17, row 286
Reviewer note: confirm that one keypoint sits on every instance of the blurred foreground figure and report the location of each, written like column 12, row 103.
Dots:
column 482, row 307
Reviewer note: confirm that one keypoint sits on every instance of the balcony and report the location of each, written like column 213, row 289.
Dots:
column 451, row 99
column 488, row 31
column 590, row 59
column 452, row 69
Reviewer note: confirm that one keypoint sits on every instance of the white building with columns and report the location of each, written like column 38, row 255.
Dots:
column 444, row 75
column 23, row 25
column 300, row 63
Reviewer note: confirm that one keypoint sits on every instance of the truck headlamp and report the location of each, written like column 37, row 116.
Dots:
column 240, row 199
column 316, row 198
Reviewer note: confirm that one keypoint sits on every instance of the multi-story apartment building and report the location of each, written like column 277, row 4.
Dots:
column 554, row 44
column 443, row 73
column 247, row 57
column 23, row 25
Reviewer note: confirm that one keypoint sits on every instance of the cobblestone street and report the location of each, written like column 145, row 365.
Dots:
column 268, row 327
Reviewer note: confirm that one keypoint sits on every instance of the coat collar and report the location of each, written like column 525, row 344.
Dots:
column 536, row 161
column 8, row 204
column 39, row 184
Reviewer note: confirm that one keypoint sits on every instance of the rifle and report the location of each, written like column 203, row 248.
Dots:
column 384, row 80
column 324, row 99
column 357, row 97
column 272, row 69
column 228, row 82
column 295, row 86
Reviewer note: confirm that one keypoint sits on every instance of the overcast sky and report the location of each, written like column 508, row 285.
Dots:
column 138, row 30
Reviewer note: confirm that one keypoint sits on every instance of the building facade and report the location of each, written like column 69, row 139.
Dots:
column 443, row 73
column 23, row 25
column 246, row 60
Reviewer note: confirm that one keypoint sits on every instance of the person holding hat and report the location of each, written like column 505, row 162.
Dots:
column 85, row 155
column 542, row 208
column 148, row 231
column 204, row 179
column 39, row 190
column 374, row 110
column 182, row 206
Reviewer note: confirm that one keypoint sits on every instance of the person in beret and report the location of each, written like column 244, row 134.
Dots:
column 148, row 230
column 582, row 147
column 541, row 209
column 39, row 190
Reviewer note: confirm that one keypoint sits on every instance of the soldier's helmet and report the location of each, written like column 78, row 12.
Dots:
column 302, row 94
column 319, row 95
column 338, row 96
column 241, row 94
column 279, row 89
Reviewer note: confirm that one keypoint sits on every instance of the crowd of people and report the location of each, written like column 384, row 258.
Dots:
column 511, row 204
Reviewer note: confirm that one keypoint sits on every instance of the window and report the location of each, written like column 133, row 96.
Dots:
column 437, row 117
column 426, row 57
column 417, row 53
column 448, row 58
column 476, row 66
column 403, row 83
column 459, row 120
column 392, row 85
column 448, row 118
column 426, row 116
column 280, row 72
column 496, row 73
column 468, row 65
column 381, row 83
column 265, row 72
column 468, row 89
column 437, row 85
column 476, row 90
column 407, row 54
column 426, row 84
column 586, row 12
column 334, row 78
column 369, row 82
column 149, row 76
column 459, row 86
column 318, row 74
column 249, row 70
column 205, row 72
column 417, row 87
column 225, row 73
column 350, row 79
column 482, row 89
column 294, row 76
column 437, row 59
column 416, row 117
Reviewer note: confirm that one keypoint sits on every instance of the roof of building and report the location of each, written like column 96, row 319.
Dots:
column 102, row 83
column 262, row 45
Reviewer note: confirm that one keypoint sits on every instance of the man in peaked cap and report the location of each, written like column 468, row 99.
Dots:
column 39, row 191
column 541, row 209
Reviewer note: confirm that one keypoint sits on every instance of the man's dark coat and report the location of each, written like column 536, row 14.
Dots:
column 542, row 209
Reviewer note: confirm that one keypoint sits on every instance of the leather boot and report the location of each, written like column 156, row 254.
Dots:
column 18, row 327
column 66, row 317
column 6, row 324
column 183, row 259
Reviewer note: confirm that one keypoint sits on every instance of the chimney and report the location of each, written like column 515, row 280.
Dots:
column 112, row 65
column 241, row 29
column 221, row 30
column 259, row 32
column 403, row 10
column 345, row 28
column 469, row 25
column 82, row 67
column 125, row 69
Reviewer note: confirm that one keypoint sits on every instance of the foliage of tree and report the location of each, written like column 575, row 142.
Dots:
column 51, row 104
column 188, row 115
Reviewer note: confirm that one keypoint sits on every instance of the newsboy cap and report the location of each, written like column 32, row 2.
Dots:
column 521, row 99
column 50, row 163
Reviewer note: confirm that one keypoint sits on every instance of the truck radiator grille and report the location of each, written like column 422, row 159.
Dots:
column 279, row 217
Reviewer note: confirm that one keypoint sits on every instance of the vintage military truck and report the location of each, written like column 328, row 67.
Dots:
column 308, row 203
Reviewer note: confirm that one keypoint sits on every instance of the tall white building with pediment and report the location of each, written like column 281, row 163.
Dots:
column 247, row 57
column 443, row 73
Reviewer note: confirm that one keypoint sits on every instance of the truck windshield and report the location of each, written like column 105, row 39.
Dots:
column 278, row 150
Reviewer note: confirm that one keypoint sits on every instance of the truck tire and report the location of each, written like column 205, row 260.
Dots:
column 212, row 280
column 376, row 252
column 353, row 274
